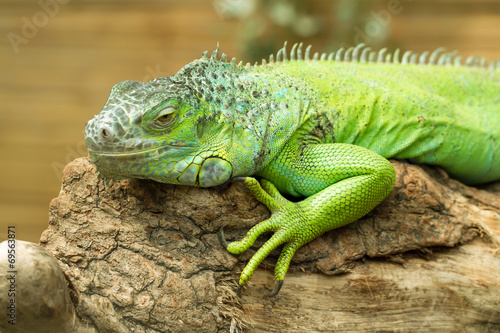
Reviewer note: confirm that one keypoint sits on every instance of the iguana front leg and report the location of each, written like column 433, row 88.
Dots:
column 342, row 183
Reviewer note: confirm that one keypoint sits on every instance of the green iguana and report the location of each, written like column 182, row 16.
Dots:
column 320, row 128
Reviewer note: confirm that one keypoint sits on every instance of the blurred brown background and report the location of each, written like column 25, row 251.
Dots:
column 60, row 58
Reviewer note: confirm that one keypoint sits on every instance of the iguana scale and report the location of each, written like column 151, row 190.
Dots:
column 320, row 128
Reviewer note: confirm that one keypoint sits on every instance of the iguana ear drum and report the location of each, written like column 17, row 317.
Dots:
column 214, row 171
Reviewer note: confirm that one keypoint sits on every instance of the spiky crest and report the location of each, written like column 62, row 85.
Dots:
column 364, row 54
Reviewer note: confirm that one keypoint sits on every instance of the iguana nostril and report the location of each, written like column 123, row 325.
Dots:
column 106, row 133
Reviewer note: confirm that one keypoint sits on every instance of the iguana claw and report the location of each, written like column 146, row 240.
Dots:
column 222, row 238
column 277, row 287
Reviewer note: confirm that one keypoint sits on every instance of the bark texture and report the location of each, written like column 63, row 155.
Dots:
column 144, row 257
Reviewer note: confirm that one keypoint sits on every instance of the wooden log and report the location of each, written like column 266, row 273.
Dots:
column 142, row 256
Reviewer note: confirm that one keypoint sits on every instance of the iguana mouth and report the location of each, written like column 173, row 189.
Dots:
column 202, row 169
column 133, row 153
column 124, row 154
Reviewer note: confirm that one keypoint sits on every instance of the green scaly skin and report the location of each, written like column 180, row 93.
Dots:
column 321, row 129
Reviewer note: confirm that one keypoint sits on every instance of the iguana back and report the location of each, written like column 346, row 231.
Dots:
column 436, row 114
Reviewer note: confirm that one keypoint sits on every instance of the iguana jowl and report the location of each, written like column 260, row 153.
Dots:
column 318, row 128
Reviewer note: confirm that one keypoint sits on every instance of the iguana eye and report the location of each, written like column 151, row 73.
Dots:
column 164, row 117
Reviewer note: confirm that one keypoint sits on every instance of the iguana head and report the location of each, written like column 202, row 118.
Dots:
column 210, row 122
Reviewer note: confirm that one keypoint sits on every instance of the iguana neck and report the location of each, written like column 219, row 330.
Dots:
column 254, row 111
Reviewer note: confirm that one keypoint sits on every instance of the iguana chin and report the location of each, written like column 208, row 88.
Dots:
column 318, row 128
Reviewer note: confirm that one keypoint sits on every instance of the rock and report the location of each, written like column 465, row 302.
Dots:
column 33, row 291
column 142, row 257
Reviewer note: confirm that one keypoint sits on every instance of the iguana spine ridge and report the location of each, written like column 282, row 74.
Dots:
column 364, row 54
